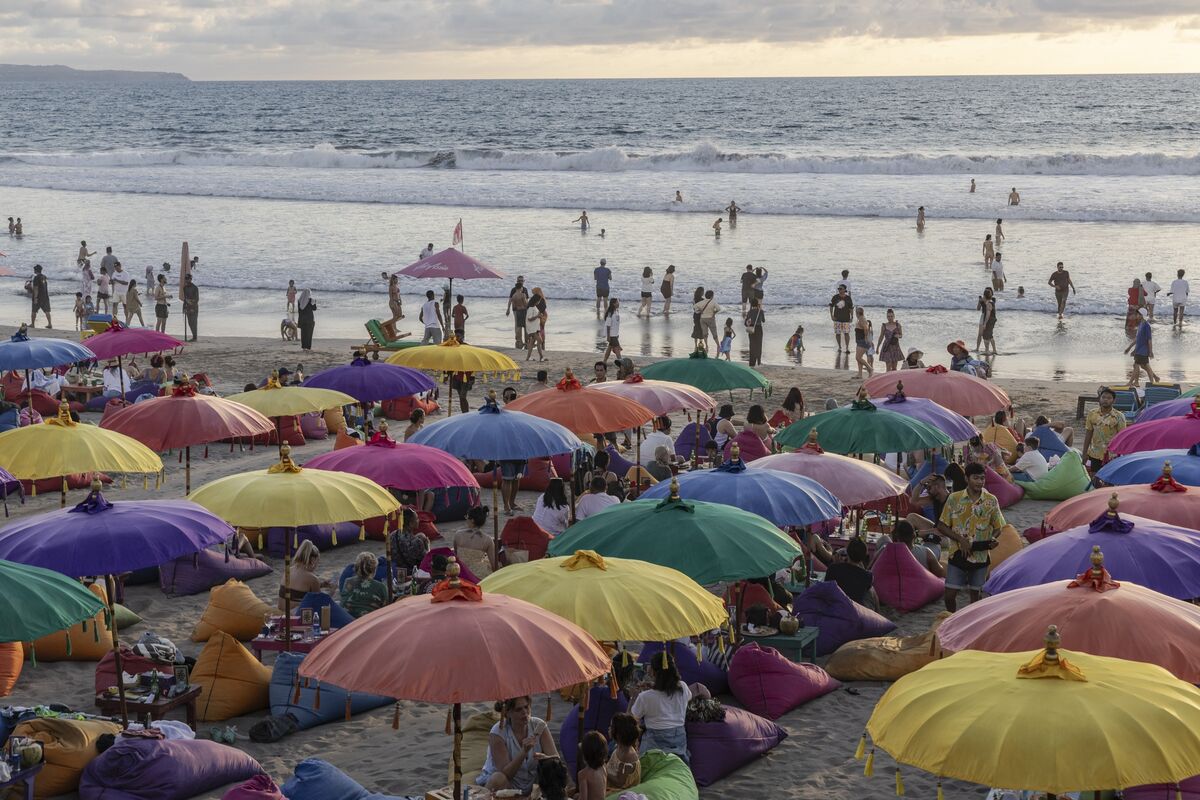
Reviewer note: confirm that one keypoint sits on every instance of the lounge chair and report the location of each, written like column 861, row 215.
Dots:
column 1127, row 403
column 381, row 341
column 1159, row 392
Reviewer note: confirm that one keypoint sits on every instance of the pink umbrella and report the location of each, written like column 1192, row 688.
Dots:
column 661, row 397
column 120, row 341
column 1172, row 433
column 406, row 467
column 1173, row 506
column 450, row 264
column 961, row 393
column 852, row 481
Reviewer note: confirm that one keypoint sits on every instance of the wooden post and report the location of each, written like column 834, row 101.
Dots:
column 457, row 751
column 110, row 589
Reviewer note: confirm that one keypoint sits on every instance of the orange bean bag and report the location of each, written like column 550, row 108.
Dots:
column 11, row 657
column 335, row 420
column 1009, row 545
column 232, row 682
column 234, row 609
column 69, row 744
column 884, row 658
column 87, row 641
column 402, row 407
column 344, row 439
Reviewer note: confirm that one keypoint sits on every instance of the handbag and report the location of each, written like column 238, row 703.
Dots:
column 752, row 319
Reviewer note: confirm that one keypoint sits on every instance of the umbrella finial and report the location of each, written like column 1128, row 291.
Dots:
column 1167, row 468
column 285, row 462
column 1096, row 577
column 812, row 445
column 862, row 400
column 64, row 416
column 674, row 488
column 735, row 452
column 1165, row 482
column 22, row 334
column 1049, row 663
column 273, row 380
column 569, row 382
column 453, row 570
column 96, row 485
column 1114, row 503
column 1053, row 642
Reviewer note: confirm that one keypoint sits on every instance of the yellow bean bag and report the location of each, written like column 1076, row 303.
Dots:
column 11, row 657
column 232, row 682
column 89, row 641
column 474, row 747
column 1009, row 545
column 234, row 609
column 885, row 658
column 69, row 745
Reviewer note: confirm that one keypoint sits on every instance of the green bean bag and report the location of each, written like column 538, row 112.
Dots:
column 1067, row 479
column 664, row 777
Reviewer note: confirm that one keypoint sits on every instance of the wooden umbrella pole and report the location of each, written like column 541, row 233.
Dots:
column 187, row 470
column 110, row 589
column 496, row 509
column 458, row 751
column 696, row 443
column 287, row 588
column 637, row 467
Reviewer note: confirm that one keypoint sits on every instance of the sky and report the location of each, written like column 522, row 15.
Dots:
column 422, row 39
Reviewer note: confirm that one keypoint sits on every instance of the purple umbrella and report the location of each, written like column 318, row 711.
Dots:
column 956, row 426
column 9, row 485
column 1179, row 407
column 369, row 381
column 1152, row 554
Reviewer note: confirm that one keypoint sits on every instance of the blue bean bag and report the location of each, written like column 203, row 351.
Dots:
column 1065, row 480
column 323, row 536
column 319, row 780
column 599, row 714
column 381, row 574
column 841, row 620
column 453, row 503
column 691, row 669
column 923, row 471
column 686, row 444
column 306, row 713
column 163, row 769
column 206, row 569
column 664, row 777
column 338, row 616
column 721, row 748
column 1049, row 442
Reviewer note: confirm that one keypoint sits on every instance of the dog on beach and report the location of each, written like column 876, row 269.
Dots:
column 288, row 330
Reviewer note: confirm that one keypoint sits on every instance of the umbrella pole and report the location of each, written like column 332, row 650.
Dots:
column 287, row 588
column 637, row 470
column 496, row 509
column 458, row 751
column 571, row 493
column 187, row 470
column 110, row 589
column 121, row 369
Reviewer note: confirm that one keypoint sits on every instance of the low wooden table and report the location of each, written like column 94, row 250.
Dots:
column 87, row 391
column 145, row 713
column 791, row 646
column 26, row 776
column 260, row 645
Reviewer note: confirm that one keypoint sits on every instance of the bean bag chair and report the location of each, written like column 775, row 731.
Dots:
column 902, row 582
column 232, row 682
column 319, row 780
column 335, row 421
column 325, row 537
column 87, row 641
column 141, row 577
column 474, row 747
column 1009, row 545
column 80, row 480
column 338, row 616
column 464, row 571
column 381, row 573
column 453, row 503
column 9, row 420
column 99, row 403
column 922, row 472
column 618, row 463
column 234, row 609
column 686, row 444
column 1007, row 494
column 536, row 479
column 768, row 684
column 12, row 656
column 1189, row 789
column 1050, row 444
column 290, row 432
column 1065, row 479
column 69, row 745
column 597, row 717
column 375, row 528
column 750, row 446
column 721, row 748
column 691, row 669
column 206, row 569
column 402, row 407
column 664, row 777
column 260, row 787
column 427, row 524
column 163, row 769
column 313, row 426
column 344, row 440
column 563, row 464
column 307, row 711
column 131, row 663
column 28, row 416
column 522, row 533
column 125, row 618
column 884, row 658
column 840, row 619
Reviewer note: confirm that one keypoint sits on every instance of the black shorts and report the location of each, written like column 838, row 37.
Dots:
column 601, row 292
column 747, row 294
column 42, row 305
column 160, row 310
column 1142, row 361
column 646, row 295
column 614, row 341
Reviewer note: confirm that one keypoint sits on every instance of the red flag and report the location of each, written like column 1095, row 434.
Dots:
column 458, row 237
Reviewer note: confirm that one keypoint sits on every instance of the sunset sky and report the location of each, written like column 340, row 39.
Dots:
column 392, row 39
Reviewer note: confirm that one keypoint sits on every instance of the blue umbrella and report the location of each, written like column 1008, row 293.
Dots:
column 1147, row 467
column 493, row 434
column 781, row 497
column 370, row 381
column 22, row 353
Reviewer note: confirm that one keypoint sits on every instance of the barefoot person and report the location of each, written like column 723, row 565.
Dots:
column 603, row 276
column 1179, row 297
column 1100, row 426
column 583, row 221
column 971, row 520
column 1143, row 350
column 40, row 297
column 647, row 293
column 920, row 219
column 841, row 312
column 1014, row 198
column 863, row 344
column 1151, row 289
column 888, row 346
column 667, row 289
column 989, row 251
column 612, row 329
column 732, row 211
column 999, row 240
column 395, row 302
column 716, row 226
column 1060, row 279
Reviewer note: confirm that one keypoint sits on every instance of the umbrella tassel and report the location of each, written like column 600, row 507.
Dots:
column 613, row 689
column 449, row 717
column 33, row 488
column 362, row 534
column 317, row 701
column 1178, row 794
column 899, row 784
column 180, row 456
column 550, row 711
column 396, row 717
column 145, row 483
column 260, row 539
column 940, row 796
column 64, row 483
column 95, row 633
column 333, row 536
column 68, row 643
column 862, row 747
column 83, row 626
column 869, row 767
column 347, row 706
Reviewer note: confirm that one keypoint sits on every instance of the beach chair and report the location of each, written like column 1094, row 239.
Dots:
column 1127, row 403
column 1158, row 392
column 381, row 341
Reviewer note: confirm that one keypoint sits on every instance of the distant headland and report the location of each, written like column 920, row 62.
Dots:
column 58, row 72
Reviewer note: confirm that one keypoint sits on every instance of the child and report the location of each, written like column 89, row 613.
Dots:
column 460, row 317
column 592, row 781
column 795, row 343
column 624, row 767
column 552, row 779
column 102, row 291
column 88, row 307
column 291, row 300
column 726, row 339
column 663, row 709
column 79, row 312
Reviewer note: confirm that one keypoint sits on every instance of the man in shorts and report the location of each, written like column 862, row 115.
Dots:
column 1151, row 289
column 1060, row 279
column 603, row 275
column 1100, row 426
column 1179, row 297
column 40, row 295
column 749, row 279
column 1143, row 350
column 511, row 473
column 971, row 520
column 518, row 301
column 841, row 311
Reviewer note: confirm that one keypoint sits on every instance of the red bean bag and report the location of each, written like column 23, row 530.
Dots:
column 206, row 569
column 840, row 619
column 377, row 527
column 81, row 480
column 106, row 672
column 12, row 656
column 163, row 769
column 522, row 533
column 721, row 748
column 427, row 562
column 536, row 479
column 691, row 669
column 751, row 446
column 402, row 407
column 313, row 426
column 290, row 432
column 1007, row 494
column 1189, row 789
column 768, row 684
column 902, row 582
column 260, row 787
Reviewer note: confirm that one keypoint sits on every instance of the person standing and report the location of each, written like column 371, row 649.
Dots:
column 612, row 329
column 518, row 301
column 987, row 322
column 708, row 318
column 1143, row 350
column 667, row 288
column 535, row 324
column 40, row 297
column 647, row 293
column 999, row 240
column 998, row 276
column 162, row 300
column 1134, row 302
column 603, row 276
column 972, row 189
column 1179, row 297
column 863, row 342
column 698, row 334
column 191, row 307
column 1060, row 279
column 989, row 251
column 732, row 210
column 754, row 330
column 87, row 279
column 1014, row 198
column 84, row 254
column 972, row 521
column 583, row 221
column 459, row 315
column 1151, row 289
column 841, row 311
column 426, row 252
column 133, row 304
column 305, row 318
column 395, row 301
column 431, row 316
column 1100, row 426
column 102, row 292
column 108, row 261
column 716, row 226
column 118, row 284
column 760, row 278
column 890, row 333
column 920, row 219
column 748, row 281
column 291, row 299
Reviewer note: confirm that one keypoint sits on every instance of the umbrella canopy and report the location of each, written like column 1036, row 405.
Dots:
column 273, row 400
column 184, row 418
column 863, row 427
column 781, row 497
column 120, row 341
column 453, row 356
column 406, row 467
column 1160, row 557
column 370, row 381
column 36, row 602
column 1172, row 508
column 1179, row 407
column 21, row 352
column 956, row 426
column 1042, row 720
column 854, row 481
column 286, row 496
column 1147, row 466
column 708, row 542
column 1101, row 617
column 583, row 411
column 497, row 434
column 613, row 599
column 661, row 397
column 61, row 446
column 1169, row 433
column 707, row 374
column 448, row 265
column 97, row 537
column 961, row 393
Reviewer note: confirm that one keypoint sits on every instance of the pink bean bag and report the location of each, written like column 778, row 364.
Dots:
column 902, row 582
column 721, row 748
column 751, row 445
column 768, row 684
column 1006, row 493
column 260, row 787
column 313, row 426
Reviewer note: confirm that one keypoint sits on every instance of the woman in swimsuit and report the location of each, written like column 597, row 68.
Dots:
column 989, row 251
column 864, row 347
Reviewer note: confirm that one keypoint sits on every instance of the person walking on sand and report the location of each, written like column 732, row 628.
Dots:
column 1151, row 289
column 841, row 312
column 890, row 333
column 612, row 329
column 431, row 317
column 972, row 521
column 989, row 251
column 920, row 219
column 1100, row 426
column 647, row 293
column 716, row 226
column 40, row 297
column 518, row 301
column 999, row 240
column 972, row 189
column 998, row 276
column 582, row 219
column 1060, row 279
column 395, row 301
column 1179, row 297
column 1143, row 350
column 987, row 323
column 709, row 308
column 102, row 291
column 698, row 334
column 133, row 304
column 191, row 307
column 864, row 345
column 754, row 331
column 119, row 280
column 1135, row 299
column 1014, row 199
column 667, row 288
column 535, row 325
column 162, row 300
column 603, row 276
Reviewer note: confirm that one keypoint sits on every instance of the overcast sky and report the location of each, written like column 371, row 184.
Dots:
column 380, row 39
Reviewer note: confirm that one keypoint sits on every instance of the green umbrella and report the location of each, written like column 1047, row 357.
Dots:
column 707, row 374
column 862, row 428
column 708, row 542
column 35, row 602
column 1193, row 392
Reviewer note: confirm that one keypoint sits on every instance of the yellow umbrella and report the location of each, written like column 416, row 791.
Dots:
column 453, row 356
column 60, row 446
column 1046, row 720
column 274, row 400
column 613, row 599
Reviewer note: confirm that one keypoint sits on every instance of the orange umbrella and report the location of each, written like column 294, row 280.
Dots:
column 584, row 412
column 1178, row 508
column 474, row 647
column 961, row 393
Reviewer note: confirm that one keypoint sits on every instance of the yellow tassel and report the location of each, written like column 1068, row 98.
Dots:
column 33, row 488
column 333, row 536
column 347, row 706
column 317, row 701
column 68, row 643
column 721, row 642
column 64, row 484
column 869, row 767
column 1178, row 794
column 899, row 784
column 664, row 658
column 449, row 724
column 862, row 747
column 260, row 539
column 940, row 796
column 362, row 533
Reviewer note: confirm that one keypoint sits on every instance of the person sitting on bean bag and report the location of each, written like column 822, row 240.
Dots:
column 904, row 533
column 303, row 577
column 513, row 746
column 361, row 593
column 847, row 568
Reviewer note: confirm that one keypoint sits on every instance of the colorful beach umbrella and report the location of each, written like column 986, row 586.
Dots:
column 863, row 427
column 492, row 433
column 119, row 341
column 1147, row 466
column 486, row 647
column 584, row 412
column 21, row 352
column 1169, row 433
column 1179, row 508
column 1179, row 407
column 954, row 425
column 707, row 374
column 406, row 467
column 613, row 599
column 781, row 497
column 274, row 400
column 36, row 602
column 370, row 381
column 961, row 393
column 708, row 542
column 661, row 397
column 1047, row 720
column 853, row 481
column 448, row 265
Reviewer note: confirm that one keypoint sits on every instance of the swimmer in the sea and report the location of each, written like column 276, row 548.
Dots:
column 678, row 196
column 732, row 210
column 999, row 240
column 716, row 226
column 921, row 219
column 582, row 219
column 1014, row 198
column 972, row 189
column 602, row 233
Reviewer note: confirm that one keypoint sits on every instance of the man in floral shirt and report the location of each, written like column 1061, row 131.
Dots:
column 971, row 520
column 1102, row 424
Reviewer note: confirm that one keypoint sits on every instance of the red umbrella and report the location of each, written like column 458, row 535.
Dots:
column 1162, row 501
column 450, row 264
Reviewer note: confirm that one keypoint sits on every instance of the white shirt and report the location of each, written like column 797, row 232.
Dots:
column 1151, row 289
column 660, row 711
column 112, row 380
column 652, row 442
column 552, row 520
column 844, row 282
column 707, row 307
column 590, row 504
column 103, row 283
column 1179, row 291
column 426, row 252
column 612, row 325
column 1033, row 464
column 648, row 284
column 429, row 313
column 998, row 269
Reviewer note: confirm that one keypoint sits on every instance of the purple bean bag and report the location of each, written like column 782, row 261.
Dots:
column 686, row 444
column 902, row 582
column 1007, row 494
column 319, row 780
column 313, row 426
column 322, row 536
column 768, row 684
column 260, row 787
column 720, row 748
column 691, row 669
column 307, row 714
column 208, row 568
column 163, row 769
column 599, row 714
column 618, row 463
column 1189, row 789
column 840, row 619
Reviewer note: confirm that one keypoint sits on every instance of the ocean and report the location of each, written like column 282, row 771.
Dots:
column 331, row 183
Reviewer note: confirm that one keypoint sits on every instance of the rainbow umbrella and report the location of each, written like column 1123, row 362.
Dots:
column 961, row 393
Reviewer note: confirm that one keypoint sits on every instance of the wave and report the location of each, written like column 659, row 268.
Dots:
column 703, row 157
